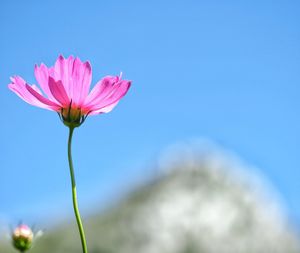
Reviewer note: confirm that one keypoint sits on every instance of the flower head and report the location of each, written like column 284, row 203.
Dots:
column 65, row 89
column 22, row 237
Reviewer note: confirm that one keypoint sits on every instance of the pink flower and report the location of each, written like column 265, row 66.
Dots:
column 23, row 231
column 66, row 86
column 22, row 238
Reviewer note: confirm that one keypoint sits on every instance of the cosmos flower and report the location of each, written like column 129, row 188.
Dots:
column 22, row 237
column 65, row 89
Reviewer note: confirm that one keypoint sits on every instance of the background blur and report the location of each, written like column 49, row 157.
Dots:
column 227, row 72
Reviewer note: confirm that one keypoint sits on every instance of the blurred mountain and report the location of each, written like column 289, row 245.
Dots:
column 202, row 206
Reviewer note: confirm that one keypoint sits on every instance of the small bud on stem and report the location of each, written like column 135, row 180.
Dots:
column 22, row 238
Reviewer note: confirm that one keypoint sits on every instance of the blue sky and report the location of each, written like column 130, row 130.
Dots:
column 227, row 71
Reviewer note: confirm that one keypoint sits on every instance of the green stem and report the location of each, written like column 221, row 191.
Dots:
column 74, row 194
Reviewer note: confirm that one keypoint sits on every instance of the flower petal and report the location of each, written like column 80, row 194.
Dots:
column 105, row 109
column 63, row 71
column 116, row 93
column 58, row 91
column 81, row 77
column 75, row 76
column 38, row 95
column 101, row 90
column 42, row 76
column 19, row 86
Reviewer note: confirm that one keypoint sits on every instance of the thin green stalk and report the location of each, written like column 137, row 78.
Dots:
column 74, row 194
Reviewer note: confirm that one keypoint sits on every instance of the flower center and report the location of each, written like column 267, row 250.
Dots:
column 72, row 116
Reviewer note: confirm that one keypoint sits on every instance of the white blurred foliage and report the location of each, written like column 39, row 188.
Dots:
column 209, row 202
column 204, row 200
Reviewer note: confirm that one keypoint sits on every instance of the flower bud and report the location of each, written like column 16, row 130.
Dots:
column 22, row 238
